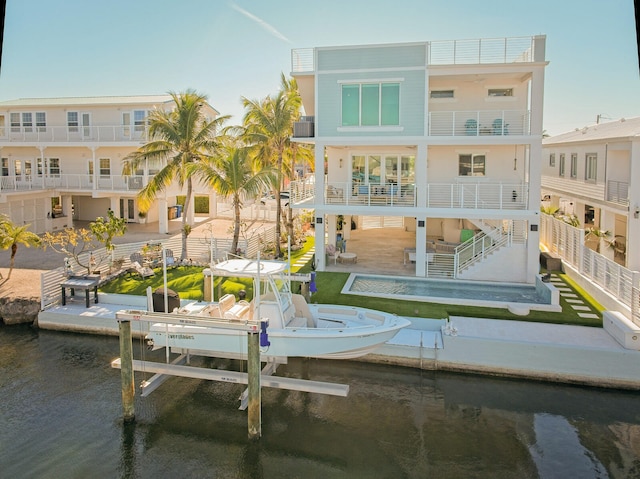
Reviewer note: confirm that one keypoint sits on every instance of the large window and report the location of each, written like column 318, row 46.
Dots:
column 5, row 166
column 139, row 117
column 471, row 165
column 41, row 121
column 561, row 165
column 371, row 104
column 2, row 126
column 54, row 166
column 574, row 165
column 27, row 122
column 591, row 167
column 382, row 170
column 15, row 122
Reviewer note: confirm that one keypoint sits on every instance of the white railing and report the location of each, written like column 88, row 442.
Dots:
column 479, row 123
column 478, row 195
column 482, row 50
column 456, row 52
column 72, row 182
column 618, row 192
column 575, row 186
column 472, row 252
column 75, row 134
column 567, row 242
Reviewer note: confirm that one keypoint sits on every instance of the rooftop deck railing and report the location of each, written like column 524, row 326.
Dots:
column 74, row 134
column 455, row 52
column 18, row 183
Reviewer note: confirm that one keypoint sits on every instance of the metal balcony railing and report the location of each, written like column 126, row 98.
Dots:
column 67, row 134
column 71, row 182
column 479, row 123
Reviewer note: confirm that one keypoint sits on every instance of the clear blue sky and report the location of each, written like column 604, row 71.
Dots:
column 229, row 49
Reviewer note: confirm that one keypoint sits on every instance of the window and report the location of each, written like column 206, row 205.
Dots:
column 2, row 126
column 5, row 166
column 139, row 117
column 500, row 91
column 54, row 166
column 72, row 121
column 41, row 121
column 552, row 159
column 574, row 165
column 561, row 165
column 591, row 167
column 441, row 94
column 105, row 167
column 27, row 122
column 15, row 122
column 471, row 165
column 371, row 104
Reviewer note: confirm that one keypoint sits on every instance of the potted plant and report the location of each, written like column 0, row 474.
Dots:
column 142, row 217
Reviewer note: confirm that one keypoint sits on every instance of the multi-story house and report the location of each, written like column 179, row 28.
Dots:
column 62, row 160
column 593, row 175
column 443, row 138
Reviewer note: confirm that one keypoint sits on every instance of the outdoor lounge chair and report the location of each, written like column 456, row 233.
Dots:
column 332, row 252
column 471, row 127
column 143, row 271
column 169, row 259
column 498, row 128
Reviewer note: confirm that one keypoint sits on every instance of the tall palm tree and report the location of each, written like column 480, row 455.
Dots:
column 12, row 235
column 232, row 174
column 268, row 125
column 181, row 139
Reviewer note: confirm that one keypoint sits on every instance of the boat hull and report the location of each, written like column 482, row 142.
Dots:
column 338, row 333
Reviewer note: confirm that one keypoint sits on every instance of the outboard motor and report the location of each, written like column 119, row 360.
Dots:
column 264, row 336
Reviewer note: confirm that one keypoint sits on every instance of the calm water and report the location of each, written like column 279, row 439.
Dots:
column 61, row 417
column 426, row 288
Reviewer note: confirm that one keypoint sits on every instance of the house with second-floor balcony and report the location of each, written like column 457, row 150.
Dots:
column 592, row 174
column 441, row 140
column 62, row 158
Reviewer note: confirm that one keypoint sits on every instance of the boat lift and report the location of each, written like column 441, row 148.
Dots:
column 254, row 377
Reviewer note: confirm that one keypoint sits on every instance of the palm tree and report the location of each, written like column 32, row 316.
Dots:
column 12, row 235
column 232, row 175
column 181, row 139
column 268, row 125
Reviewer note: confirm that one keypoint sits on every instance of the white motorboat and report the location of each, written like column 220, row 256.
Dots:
column 294, row 329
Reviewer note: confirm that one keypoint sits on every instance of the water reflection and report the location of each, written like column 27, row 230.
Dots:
column 61, row 404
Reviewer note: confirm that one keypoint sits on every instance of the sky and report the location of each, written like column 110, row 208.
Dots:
column 233, row 49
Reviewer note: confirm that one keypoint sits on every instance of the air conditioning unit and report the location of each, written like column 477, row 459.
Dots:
column 303, row 129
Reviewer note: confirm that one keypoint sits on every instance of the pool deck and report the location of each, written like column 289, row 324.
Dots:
column 550, row 352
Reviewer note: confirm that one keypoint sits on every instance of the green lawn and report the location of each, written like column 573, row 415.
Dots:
column 188, row 282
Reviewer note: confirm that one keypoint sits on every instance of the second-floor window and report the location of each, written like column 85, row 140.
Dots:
column 371, row 104
column 54, row 166
column 41, row 121
column 591, row 167
column 501, row 92
column 441, row 94
column 105, row 167
column 5, row 166
column 552, row 159
column 471, row 165
column 2, row 126
column 574, row 165
column 72, row 121
column 561, row 165
column 139, row 117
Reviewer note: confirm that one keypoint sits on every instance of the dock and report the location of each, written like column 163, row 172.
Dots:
column 550, row 352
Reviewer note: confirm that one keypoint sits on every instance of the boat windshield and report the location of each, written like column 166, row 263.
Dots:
column 279, row 286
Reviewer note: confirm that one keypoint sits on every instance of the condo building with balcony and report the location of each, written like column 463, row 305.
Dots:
column 62, row 158
column 441, row 138
column 593, row 175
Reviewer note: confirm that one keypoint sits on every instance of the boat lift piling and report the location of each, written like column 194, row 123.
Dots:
column 126, row 371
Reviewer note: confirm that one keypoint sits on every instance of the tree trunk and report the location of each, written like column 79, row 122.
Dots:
column 279, row 206
column 187, row 202
column 236, row 227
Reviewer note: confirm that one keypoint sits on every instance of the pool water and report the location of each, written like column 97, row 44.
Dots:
column 448, row 291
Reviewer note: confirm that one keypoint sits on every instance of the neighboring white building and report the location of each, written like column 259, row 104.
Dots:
column 61, row 160
column 443, row 138
column 594, row 174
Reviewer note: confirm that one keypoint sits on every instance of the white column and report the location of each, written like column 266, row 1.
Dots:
column 163, row 217
column 633, row 218
column 421, row 247
column 421, row 175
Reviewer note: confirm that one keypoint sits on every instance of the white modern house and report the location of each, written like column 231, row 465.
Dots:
column 61, row 160
column 593, row 173
column 442, row 138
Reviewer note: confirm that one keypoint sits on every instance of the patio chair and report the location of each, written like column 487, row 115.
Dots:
column 332, row 252
column 169, row 259
column 471, row 127
column 143, row 271
column 498, row 129
column 136, row 258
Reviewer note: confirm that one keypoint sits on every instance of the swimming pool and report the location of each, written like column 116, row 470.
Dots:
column 519, row 298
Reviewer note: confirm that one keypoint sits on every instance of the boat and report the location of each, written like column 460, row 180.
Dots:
column 294, row 328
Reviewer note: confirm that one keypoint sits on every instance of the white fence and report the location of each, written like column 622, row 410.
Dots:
column 567, row 242
column 200, row 251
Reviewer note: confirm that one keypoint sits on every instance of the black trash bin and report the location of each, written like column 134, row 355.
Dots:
column 173, row 300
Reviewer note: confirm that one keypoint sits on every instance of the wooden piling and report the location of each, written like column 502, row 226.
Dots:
column 126, row 371
column 254, row 417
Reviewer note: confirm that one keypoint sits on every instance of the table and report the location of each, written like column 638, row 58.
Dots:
column 348, row 257
column 80, row 282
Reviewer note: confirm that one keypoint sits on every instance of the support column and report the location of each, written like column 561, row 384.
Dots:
column 163, row 216
column 126, row 371
column 421, row 247
column 254, row 416
column 421, row 175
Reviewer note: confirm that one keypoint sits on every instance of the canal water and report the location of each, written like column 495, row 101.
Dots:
column 61, row 416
